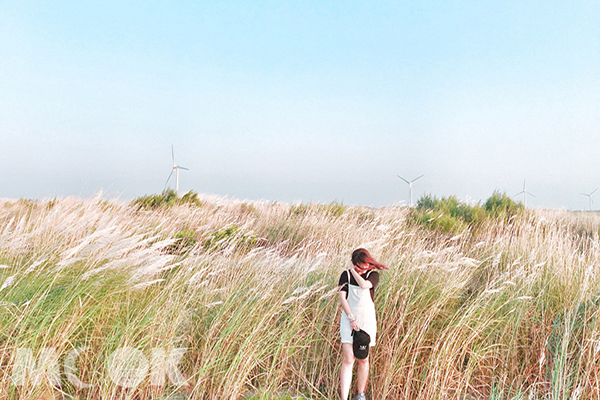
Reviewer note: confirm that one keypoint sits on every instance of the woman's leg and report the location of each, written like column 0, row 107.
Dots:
column 346, row 370
column 362, row 374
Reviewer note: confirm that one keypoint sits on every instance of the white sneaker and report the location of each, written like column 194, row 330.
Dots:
column 360, row 396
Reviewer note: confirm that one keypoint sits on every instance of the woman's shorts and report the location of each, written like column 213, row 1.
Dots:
column 369, row 326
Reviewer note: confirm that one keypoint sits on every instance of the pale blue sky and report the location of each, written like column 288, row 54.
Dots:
column 303, row 100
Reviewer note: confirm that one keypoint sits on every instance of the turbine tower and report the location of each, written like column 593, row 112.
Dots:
column 590, row 196
column 175, row 168
column 525, row 193
column 410, row 187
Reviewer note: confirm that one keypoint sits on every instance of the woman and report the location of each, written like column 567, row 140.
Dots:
column 358, row 312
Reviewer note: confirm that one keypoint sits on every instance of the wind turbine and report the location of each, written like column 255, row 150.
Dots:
column 176, row 168
column 410, row 187
column 525, row 193
column 590, row 196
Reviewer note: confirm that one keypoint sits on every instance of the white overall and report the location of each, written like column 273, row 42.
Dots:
column 363, row 308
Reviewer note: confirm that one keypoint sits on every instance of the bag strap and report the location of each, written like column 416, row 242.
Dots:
column 348, row 272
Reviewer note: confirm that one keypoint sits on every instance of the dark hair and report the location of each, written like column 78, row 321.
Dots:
column 362, row 256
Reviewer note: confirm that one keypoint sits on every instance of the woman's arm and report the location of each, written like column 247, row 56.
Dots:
column 364, row 284
column 346, row 307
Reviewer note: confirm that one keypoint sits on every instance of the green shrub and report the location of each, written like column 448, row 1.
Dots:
column 449, row 214
column 191, row 197
column 167, row 198
column 229, row 235
column 185, row 240
column 500, row 204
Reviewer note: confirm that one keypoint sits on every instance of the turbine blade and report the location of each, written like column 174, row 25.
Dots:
column 594, row 191
column 531, row 194
column 523, row 184
column 171, row 174
column 403, row 179
column 584, row 194
column 417, row 178
column 187, row 169
column 519, row 193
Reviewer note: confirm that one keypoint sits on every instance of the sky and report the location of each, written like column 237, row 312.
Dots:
column 301, row 101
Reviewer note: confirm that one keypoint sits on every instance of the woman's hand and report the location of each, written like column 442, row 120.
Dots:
column 364, row 284
column 353, row 323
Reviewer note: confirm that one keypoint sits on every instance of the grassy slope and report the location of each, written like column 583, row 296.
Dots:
column 507, row 312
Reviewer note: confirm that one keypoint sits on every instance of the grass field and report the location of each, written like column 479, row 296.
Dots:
column 504, row 311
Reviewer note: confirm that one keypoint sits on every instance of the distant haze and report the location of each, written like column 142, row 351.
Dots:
column 309, row 101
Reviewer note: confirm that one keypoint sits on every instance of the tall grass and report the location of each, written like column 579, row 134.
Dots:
column 506, row 311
